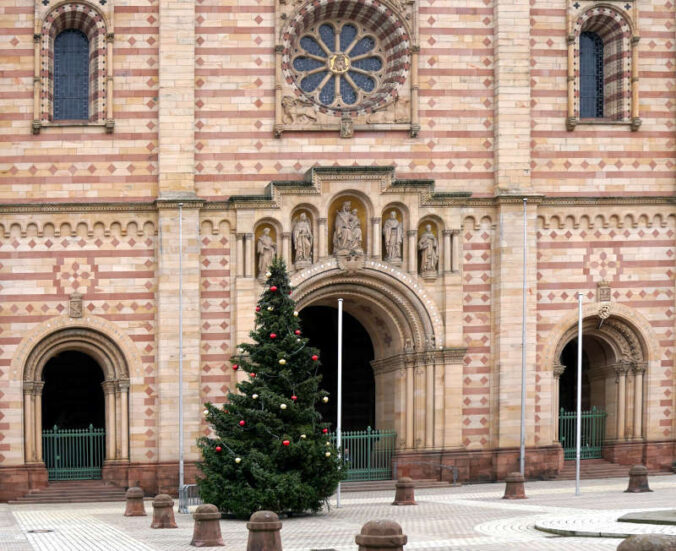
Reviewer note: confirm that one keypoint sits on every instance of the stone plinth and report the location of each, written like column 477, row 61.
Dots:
column 135, row 507
column 514, row 487
column 405, row 492
column 638, row 479
column 381, row 535
column 163, row 512
column 264, row 527
column 207, row 531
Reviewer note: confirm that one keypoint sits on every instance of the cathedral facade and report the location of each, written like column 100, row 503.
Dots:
column 420, row 159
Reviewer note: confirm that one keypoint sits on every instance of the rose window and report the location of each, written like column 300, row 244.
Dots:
column 352, row 65
column 338, row 66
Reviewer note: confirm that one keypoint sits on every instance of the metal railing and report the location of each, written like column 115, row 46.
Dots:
column 368, row 454
column 73, row 454
column 593, row 431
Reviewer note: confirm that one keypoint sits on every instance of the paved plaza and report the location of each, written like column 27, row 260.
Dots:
column 472, row 517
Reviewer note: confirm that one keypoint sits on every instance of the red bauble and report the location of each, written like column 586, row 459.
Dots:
column 286, row 442
column 235, row 367
column 242, row 423
column 258, row 308
column 273, row 288
column 297, row 331
column 290, row 293
column 252, row 375
column 294, row 397
column 325, row 431
column 218, row 448
column 273, row 335
column 315, row 357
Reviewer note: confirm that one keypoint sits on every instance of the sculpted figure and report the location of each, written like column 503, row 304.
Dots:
column 302, row 239
column 393, row 232
column 347, row 230
column 266, row 249
column 297, row 110
column 356, row 231
column 428, row 247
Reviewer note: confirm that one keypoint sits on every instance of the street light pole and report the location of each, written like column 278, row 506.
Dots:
column 339, row 420
column 180, row 348
column 522, row 451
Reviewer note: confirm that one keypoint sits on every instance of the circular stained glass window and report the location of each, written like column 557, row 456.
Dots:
column 338, row 66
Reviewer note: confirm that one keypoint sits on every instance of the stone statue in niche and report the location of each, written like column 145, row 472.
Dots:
column 347, row 235
column 302, row 241
column 266, row 249
column 429, row 255
column 296, row 110
column 393, row 232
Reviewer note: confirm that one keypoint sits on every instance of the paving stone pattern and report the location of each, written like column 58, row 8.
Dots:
column 465, row 518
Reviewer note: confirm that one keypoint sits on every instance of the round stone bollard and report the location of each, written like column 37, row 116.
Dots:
column 207, row 531
column 135, row 507
column 264, row 527
column 638, row 480
column 648, row 542
column 163, row 512
column 405, row 492
column 381, row 535
column 514, row 488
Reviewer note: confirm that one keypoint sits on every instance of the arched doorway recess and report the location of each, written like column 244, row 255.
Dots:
column 415, row 375
column 614, row 363
column 97, row 349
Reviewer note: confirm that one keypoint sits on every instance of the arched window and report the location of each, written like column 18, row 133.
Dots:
column 71, row 76
column 591, row 75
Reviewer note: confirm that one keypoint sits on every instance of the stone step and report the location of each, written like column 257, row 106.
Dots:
column 381, row 485
column 74, row 491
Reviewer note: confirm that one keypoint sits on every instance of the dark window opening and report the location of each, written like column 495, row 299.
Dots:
column 71, row 76
column 591, row 75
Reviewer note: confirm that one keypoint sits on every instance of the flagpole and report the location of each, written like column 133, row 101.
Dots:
column 522, row 439
column 339, row 420
column 578, row 432
column 180, row 348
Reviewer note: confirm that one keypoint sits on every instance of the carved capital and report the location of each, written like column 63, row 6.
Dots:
column 28, row 388
column 110, row 126
column 640, row 367
column 558, row 369
column 35, row 126
column 123, row 385
column 571, row 123
column 635, row 123
column 108, row 387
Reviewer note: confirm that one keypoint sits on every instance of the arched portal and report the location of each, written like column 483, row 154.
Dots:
column 320, row 325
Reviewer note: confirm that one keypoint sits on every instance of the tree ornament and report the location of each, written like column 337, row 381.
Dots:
column 328, row 443
column 254, row 396
column 258, row 308
column 267, row 274
column 295, row 314
column 270, row 308
column 328, row 454
column 303, row 436
column 294, row 397
column 218, row 449
column 325, row 431
column 240, row 351
column 206, row 412
column 235, row 367
column 242, row 423
column 315, row 357
column 297, row 331
column 253, row 375
column 325, row 399
column 273, row 335
column 290, row 293
column 273, row 288
column 238, row 459
column 286, row 442
column 297, row 340
column 282, row 406
column 282, row 362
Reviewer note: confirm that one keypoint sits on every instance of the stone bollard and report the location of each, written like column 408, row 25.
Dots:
column 404, row 494
column 648, row 542
column 207, row 531
column 381, row 535
column 163, row 512
column 514, row 486
column 638, row 480
column 264, row 527
column 135, row 507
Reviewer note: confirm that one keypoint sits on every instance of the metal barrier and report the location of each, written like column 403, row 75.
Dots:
column 73, row 454
column 451, row 468
column 188, row 495
column 593, row 432
column 367, row 453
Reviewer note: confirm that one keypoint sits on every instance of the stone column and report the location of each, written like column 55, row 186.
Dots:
column 419, row 405
column 409, row 405
column 37, row 419
column 571, row 120
column 455, row 251
column 123, row 414
column 557, row 371
column 377, row 237
column 110, row 39
column 639, row 369
column 286, row 248
column 249, row 255
column 239, row 251
column 109, row 395
column 37, row 81
column 322, row 238
column 448, row 266
column 412, row 251
column 621, row 371
column 429, row 402
column 28, row 420
column 635, row 120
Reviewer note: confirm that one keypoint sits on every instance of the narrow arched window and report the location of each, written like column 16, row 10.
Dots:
column 71, row 76
column 591, row 75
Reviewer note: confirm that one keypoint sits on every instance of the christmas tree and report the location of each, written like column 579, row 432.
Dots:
column 271, row 450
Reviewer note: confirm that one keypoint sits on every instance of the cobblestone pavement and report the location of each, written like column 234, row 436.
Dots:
column 468, row 518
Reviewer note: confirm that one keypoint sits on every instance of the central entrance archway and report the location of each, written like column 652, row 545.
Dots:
column 320, row 325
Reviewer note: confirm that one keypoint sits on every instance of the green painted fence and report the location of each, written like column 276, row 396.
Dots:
column 73, row 454
column 368, row 453
column 592, row 434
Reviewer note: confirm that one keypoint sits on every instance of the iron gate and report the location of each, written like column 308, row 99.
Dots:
column 73, row 454
column 592, row 433
column 367, row 453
